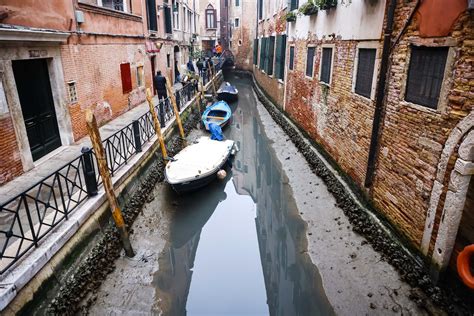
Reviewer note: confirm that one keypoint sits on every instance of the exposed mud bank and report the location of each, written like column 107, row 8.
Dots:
column 425, row 293
column 78, row 291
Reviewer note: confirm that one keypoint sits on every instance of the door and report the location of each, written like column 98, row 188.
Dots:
column 153, row 59
column 34, row 91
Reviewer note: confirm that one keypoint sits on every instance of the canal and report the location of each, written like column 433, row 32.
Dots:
column 239, row 246
column 269, row 239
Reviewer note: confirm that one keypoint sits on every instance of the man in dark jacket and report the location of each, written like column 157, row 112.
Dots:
column 160, row 87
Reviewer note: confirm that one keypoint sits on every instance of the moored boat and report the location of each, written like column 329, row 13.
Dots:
column 227, row 92
column 197, row 165
column 218, row 113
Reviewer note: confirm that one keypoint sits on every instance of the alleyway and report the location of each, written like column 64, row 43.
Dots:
column 266, row 240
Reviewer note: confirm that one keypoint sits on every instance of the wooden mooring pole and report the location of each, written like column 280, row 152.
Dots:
column 149, row 98
column 107, row 181
column 211, row 76
column 175, row 109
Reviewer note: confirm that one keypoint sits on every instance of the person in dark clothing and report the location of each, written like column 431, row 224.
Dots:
column 160, row 86
column 200, row 66
column 190, row 66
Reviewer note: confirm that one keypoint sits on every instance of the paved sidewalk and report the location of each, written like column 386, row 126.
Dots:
column 65, row 154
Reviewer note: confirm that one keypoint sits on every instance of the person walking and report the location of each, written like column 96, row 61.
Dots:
column 218, row 49
column 200, row 66
column 160, row 86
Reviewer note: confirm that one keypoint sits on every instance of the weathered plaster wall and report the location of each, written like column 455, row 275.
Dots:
column 242, row 36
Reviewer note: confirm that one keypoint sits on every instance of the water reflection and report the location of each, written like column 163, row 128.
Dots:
column 293, row 284
column 251, row 257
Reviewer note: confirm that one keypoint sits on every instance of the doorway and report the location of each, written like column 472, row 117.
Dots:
column 152, row 60
column 37, row 106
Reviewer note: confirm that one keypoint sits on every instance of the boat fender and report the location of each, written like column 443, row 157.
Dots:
column 221, row 174
column 463, row 261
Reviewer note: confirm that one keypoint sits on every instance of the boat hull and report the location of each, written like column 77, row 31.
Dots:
column 190, row 186
column 228, row 97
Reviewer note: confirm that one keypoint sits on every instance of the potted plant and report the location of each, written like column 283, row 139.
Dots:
column 326, row 4
column 290, row 16
column 309, row 8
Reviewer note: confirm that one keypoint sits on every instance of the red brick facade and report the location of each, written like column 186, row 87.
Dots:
column 10, row 161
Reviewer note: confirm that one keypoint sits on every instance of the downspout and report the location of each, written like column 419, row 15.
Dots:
column 379, row 101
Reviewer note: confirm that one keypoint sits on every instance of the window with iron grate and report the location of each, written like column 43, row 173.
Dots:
column 326, row 63
column 365, row 71
column 425, row 75
column 291, row 64
column 72, row 91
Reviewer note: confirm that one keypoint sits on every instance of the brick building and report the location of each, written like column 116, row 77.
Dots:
column 58, row 59
column 242, row 17
column 408, row 145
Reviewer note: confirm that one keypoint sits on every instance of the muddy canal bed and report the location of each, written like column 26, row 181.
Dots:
column 268, row 239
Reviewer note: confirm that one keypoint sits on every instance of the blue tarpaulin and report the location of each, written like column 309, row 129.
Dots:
column 216, row 132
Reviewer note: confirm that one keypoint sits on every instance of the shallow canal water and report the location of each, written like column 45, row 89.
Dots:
column 238, row 246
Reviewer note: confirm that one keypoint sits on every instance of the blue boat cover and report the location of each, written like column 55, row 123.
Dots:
column 216, row 132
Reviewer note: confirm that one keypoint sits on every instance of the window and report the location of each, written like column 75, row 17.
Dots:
column 176, row 15
column 126, row 77
column 139, row 76
column 236, row 23
column 365, row 71
column 310, row 61
column 326, row 62
column 240, row 42
column 269, row 55
column 294, row 5
column 119, row 5
column 168, row 26
column 210, row 17
column 71, row 91
column 255, row 51
column 260, row 9
column 280, row 56
column 237, row 3
column 151, row 15
column 168, row 60
column 425, row 75
column 291, row 63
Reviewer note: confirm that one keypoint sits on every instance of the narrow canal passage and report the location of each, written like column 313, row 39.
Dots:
column 238, row 247
column 267, row 240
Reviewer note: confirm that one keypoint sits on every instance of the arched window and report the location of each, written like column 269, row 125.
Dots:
column 211, row 17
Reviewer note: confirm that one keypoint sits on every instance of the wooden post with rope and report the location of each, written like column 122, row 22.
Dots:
column 107, row 181
column 156, row 124
column 175, row 109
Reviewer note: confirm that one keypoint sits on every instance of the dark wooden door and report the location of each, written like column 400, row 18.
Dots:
column 34, row 91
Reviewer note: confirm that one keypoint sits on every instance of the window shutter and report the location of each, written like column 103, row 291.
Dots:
column 168, row 27
column 271, row 54
column 293, row 4
column 126, row 75
column 310, row 61
column 281, row 73
column 278, row 56
column 425, row 75
column 262, row 52
column 365, row 72
column 292, row 58
column 255, row 51
column 151, row 10
column 326, row 62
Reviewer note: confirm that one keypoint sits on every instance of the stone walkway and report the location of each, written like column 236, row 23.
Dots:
column 65, row 154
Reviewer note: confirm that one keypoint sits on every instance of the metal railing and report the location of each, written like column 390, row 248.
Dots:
column 28, row 217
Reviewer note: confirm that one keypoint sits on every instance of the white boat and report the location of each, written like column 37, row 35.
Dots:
column 197, row 165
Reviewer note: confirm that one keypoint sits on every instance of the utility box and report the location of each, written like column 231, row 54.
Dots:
column 79, row 16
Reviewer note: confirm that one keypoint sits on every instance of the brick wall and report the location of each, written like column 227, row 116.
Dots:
column 413, row 137
column 334, row 116
column 96, row 70
column 274, row 88
column 10, row 161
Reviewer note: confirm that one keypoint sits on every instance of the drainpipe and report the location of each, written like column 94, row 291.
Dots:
column 381, row 86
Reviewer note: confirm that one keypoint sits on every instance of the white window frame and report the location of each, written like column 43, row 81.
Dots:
column 125, row 6
column 367, row 45
column 333, row 46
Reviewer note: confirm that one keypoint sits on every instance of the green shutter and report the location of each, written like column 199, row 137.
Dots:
column 271, row 54
column 262, row 52
column 278, row 57
column 255, row 51
column 281, row 74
